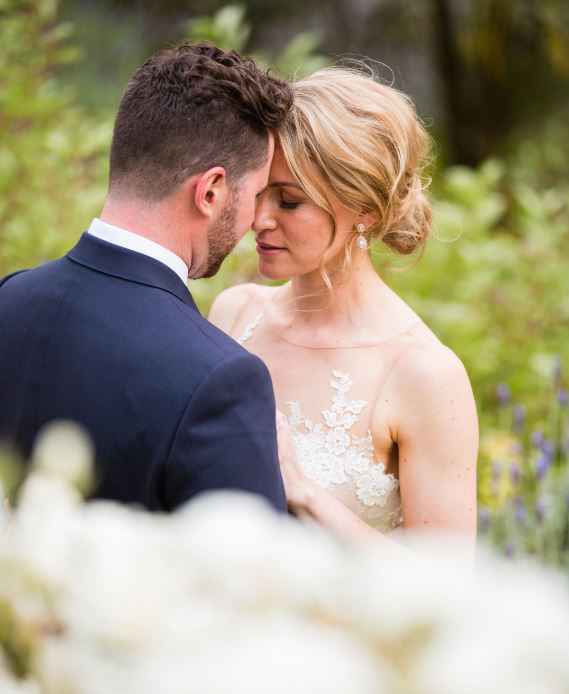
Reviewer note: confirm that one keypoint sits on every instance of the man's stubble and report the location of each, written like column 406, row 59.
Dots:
column 222, row 236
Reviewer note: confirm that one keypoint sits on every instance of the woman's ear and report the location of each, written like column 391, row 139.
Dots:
column 210, row 191
column 368, row 219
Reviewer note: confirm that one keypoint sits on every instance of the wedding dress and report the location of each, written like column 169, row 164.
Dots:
column 333, row 444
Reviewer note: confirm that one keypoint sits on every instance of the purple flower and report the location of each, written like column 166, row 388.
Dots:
column 537, row 438
column 563, row 397
column 503, row 393
column 515, row 473
column 542, row 465
column 520, row 510
column 548, row 448
column 519, row 418
column 496, row 470
column 510, row 550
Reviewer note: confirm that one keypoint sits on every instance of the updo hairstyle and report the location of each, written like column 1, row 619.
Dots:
column 363, row 142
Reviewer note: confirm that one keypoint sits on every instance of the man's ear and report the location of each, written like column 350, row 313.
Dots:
column 211, row 191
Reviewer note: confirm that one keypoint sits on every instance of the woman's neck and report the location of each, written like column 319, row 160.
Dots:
column 348, row 312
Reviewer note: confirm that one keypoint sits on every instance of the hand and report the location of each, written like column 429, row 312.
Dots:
column 297, row 487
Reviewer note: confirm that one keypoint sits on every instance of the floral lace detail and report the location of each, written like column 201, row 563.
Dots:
column 330, row 455
column 250, row 329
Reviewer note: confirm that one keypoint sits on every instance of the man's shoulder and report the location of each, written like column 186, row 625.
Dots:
column 5, row 279
column 203, row 361
column 29, row 274
column 200, row 342
column 217, row 342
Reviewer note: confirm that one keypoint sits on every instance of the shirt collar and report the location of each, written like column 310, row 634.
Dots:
column 139, row 244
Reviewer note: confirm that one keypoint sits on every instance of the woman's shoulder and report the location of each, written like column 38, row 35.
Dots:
column 425, row 365
column 427, row 381
column 236, row 303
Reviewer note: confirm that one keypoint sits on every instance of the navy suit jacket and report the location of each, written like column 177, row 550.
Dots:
column 113, row 340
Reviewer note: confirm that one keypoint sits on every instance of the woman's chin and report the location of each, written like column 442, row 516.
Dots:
column 272, row 271
column 270, row 275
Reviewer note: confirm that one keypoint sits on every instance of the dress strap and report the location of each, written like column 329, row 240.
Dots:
column 250, row 328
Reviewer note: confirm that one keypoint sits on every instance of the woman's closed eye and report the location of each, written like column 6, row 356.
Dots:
column 288, row 204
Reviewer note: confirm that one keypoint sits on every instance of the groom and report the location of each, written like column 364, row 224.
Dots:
column 109, row 335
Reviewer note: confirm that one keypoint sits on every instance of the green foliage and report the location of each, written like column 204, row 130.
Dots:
column 16, row 641
column 52, row 156
column 229, row 29
column 11, row 475
column 497, row 294
column 113, row 44
column 300, row 57
column 497, row 27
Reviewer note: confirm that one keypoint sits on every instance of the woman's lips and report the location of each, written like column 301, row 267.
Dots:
column 267, row 249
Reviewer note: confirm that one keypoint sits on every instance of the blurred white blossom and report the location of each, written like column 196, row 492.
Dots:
column 64, row 450
column 4, row 508
column 225, row 596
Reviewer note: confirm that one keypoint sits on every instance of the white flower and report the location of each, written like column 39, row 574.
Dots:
column 283, row 655
column 37, row 537
column 224, row 538
column 10, row 685
column 4, row 509
column 226, row 596
column 64, row 450
column 124, row 583
column 512, row 636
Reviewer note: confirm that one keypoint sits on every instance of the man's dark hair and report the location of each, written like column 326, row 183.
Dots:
column 189, row 108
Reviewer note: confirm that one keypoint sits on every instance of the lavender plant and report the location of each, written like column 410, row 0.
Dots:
column 525, row 483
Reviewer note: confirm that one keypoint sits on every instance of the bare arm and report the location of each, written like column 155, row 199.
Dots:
column 437, row 436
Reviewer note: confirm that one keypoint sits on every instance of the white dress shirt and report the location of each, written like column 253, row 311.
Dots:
column 139, row 244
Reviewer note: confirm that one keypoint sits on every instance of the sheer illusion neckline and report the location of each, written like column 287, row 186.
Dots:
column 329, row 450
column 252, row 325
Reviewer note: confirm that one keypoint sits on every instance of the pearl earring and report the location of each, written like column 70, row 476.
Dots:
column 361, row 241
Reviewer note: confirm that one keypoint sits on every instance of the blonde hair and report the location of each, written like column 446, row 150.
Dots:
column 363, row 142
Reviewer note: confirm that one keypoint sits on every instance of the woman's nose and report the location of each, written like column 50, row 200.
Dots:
column 263, row 218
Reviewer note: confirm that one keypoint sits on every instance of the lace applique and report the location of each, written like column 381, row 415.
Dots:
column 250, row 329
column 330, row 455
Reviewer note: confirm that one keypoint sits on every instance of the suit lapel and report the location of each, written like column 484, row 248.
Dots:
column 117, row 261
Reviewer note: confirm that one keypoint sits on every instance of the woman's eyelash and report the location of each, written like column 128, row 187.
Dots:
column 289, row 205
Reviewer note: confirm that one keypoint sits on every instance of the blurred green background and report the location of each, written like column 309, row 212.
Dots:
column 491, row 81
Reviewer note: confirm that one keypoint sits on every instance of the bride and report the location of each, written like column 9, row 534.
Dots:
column 382, row 419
